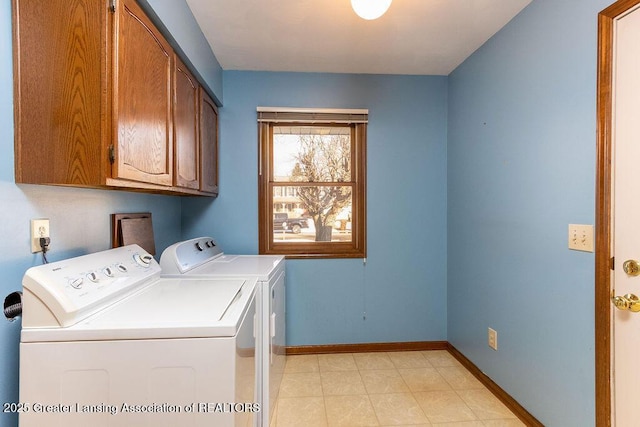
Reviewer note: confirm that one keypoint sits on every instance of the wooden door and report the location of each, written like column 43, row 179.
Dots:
column 142, row 67
column 626, row 212
column 209, row 144
column 187, row 139
column 618, row 208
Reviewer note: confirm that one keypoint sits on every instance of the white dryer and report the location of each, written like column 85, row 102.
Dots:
column 106, row 341
column 202, row 257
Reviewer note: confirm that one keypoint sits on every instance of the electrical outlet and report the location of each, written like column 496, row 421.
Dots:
column 581, row 237
column 39, row 228
column 493, row 339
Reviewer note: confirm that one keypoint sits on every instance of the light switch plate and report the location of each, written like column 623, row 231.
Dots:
column 581, row 237
column 492, row 338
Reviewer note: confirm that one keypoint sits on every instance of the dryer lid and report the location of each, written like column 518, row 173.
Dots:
column 202, row 256
column 263, row 267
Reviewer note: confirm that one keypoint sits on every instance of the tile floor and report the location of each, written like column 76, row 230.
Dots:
column 412, row 388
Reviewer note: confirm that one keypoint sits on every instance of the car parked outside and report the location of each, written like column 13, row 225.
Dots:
column 282, row 222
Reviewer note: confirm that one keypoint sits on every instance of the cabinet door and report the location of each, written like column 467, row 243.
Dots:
column 59, row 98
column 142, row 99
column 187, row 141
column 209, row 144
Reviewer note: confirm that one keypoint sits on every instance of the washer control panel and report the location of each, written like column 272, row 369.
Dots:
column 73, row 289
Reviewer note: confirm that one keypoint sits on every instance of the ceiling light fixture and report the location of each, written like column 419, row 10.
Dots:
column 370, row 9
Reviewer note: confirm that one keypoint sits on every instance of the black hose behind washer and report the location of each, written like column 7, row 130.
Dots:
column 13, row 306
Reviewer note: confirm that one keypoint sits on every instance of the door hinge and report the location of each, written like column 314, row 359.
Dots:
column 112, row 6
column 112, row 154
column 613, row 263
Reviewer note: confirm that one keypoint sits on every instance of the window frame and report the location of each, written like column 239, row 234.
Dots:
column 268, row 118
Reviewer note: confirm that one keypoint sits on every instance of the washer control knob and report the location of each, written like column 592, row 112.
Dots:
column 143, row 260
column 108, row 271
column 122, row 268
column 199, row 246
column 76, row 283
column 93, row 276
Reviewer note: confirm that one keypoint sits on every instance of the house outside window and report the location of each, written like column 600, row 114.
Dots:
column 312, row 182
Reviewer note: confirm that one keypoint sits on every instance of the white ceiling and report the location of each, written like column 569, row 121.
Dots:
column 426, row 37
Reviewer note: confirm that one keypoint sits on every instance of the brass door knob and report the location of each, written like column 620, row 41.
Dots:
column 631, row 267
column 628, row 302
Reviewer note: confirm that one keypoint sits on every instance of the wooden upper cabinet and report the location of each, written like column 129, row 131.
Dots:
column 142, row 98
column 101, row 101
column 187, row 139
column 209, row 144
column 60, row 51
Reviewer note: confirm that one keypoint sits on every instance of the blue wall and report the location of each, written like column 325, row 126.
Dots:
column 521, row 167
column 402, row 288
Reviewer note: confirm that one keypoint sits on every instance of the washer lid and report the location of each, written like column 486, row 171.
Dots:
column 170, row 308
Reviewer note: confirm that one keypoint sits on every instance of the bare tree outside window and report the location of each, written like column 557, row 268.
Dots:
column 324, row 158
column 317, row 157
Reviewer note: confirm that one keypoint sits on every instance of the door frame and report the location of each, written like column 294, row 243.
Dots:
column 603, row 261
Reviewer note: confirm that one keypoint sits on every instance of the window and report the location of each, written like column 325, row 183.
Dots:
column 312, row 189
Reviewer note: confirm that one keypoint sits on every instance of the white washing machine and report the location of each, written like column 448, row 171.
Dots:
column 202, row 257
column 107, row 342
